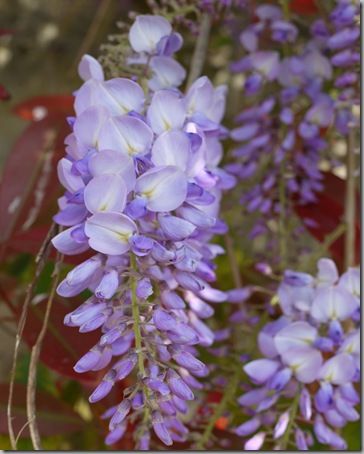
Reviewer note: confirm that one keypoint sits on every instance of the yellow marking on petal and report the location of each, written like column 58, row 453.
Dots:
column 166, row 125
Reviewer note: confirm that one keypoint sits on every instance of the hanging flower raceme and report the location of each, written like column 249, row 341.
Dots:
column 142, row 193
column 310, row 370
column 284, row 131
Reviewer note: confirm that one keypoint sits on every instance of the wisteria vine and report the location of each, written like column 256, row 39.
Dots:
column 144, row 174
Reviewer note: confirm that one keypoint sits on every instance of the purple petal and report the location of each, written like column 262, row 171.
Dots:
column 167, row 73
column 164, row 187
column 166, row 112
column 112, row 162
column 126, row 134
column 65, row 243
column 105, row 193
column 261, row 370
column 90, row 68
column 109, row 233
column 147, row 31
column 172, row 148
column 248, row 427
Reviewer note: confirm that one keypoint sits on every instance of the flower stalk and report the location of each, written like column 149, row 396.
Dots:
column 199, row 54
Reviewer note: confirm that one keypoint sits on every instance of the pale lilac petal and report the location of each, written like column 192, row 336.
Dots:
column 166, row 112
column 249, row 40
column 305, row 363
column 71, row 182
column 105, row 193
column 167, row 73
column 351, row 281
column 65, row 243
column 351, row 344
column 90, row 68
column 217, row 107
column 175, row 228
column 248, row 427
column 281, row 425
column 255, row 443
column 266, row 335
column 267, row 63
column 147, row 31
column 125, row 134
column 128, row 95
column 88, row 124
column 109, row 233
column 172, row 148
column 339, row 369
column 261, row 370
column 331, row 303
column 164, row 187
column 327, row 272
column 112, row 162
column 199, row 96
column 297, row 334
column 119, row 96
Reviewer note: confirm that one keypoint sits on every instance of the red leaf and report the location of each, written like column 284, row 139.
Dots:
column 303, row 6
column 30, row 241
column 327, row 214
column 62, row 346
column 29, row 188
column 4, row 94
column 6, row 31
column 39, row 107
column 53, row 416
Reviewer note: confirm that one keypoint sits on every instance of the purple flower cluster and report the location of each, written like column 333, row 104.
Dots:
column 310, row 370
column 143, row 188
column 339, row 38
column 291, row 92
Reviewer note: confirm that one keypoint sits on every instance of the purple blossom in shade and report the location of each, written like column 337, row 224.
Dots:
column 301, row 348
column 319, row 75
column 143, row 189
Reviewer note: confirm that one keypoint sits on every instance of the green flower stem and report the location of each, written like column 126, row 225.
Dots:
column 282, row 218
column 136, row 317
column 292, row 417
column 228, row 395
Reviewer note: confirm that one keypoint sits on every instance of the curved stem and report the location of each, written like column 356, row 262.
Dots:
column 292, row 417
column 233, row 261
column 199, row 54
column 282, row 218
column 40, row 263
column 229, row 393
column 350, row 201
column 34, row 359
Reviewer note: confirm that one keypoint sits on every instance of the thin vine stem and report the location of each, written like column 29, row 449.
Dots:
column 34, row 359
column 136, row 318
column 350, row 214
column 292, row 417
column 228, row 395
column 40, row 262
column 199, row 54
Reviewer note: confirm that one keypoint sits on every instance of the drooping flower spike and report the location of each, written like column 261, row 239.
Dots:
column 310, row 365
column 295, row 91
column 142, row 194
